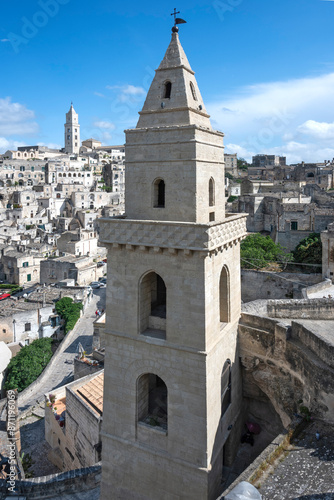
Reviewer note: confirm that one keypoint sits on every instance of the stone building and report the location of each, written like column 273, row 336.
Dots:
column 172, row 397
column 327, row 239
column 231, row 164
column 73, row 423
column 263, row 160
column 78, row 243
column 81, row 269
column 20, row 267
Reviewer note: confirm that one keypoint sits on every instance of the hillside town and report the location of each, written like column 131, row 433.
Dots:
column 169, row 369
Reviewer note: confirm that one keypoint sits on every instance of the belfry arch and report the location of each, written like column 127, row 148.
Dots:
column 152, row 305
column 152, row 401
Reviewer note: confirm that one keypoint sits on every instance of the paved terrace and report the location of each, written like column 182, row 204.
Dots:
column 307, row 471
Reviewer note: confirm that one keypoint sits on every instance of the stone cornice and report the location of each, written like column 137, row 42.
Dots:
column 164, row 128
column 173, row 110
column 181, row 66
column 187, row 236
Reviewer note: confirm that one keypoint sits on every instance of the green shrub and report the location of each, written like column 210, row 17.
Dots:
column 258, row 251
column 69, row 311
column 28, row 364
column 231, row 198
column 309, row 251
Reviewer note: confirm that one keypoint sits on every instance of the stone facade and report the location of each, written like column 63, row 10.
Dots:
column 77, row 443
column 172, row 382
column 72, row 132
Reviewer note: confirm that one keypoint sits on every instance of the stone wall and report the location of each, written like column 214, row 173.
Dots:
column 303, row 309
column 288, row 365
column 80, row 483
column 290, row 239
column 265, row 285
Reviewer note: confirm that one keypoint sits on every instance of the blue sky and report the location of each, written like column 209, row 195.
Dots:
column 265, row 69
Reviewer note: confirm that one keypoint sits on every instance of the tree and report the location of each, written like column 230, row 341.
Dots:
column 69, row 311
column 242, row 164
column 258, row 252
column 28, row 364
column 309, row 251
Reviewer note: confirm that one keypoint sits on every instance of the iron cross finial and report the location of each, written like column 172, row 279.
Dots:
column 174, row 14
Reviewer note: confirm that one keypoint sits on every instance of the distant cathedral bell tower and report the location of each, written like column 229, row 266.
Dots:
column 72, row 132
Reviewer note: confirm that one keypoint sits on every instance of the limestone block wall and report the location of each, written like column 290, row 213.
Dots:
column 83, row 427
column 265, row 285
column 75, row 446
column 196, row 152
column 304, row 309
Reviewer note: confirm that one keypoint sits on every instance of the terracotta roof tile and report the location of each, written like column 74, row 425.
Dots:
column 92, row 393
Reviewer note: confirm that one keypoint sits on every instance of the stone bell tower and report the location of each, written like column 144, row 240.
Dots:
column 72, row 132
column 172, row 387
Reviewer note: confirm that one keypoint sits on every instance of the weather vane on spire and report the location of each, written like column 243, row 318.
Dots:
column 177, row 20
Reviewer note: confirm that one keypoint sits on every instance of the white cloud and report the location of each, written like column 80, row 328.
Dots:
column 317, row 130
column 16, row 119
column 104, row 124
column 293, row 118
column 99, row 94
column 128, row 93
column 5, row 40
column 6, row 144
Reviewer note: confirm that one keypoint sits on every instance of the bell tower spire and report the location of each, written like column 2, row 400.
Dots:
column 184, row 151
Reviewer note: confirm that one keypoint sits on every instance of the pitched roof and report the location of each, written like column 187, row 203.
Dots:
column 92, row 393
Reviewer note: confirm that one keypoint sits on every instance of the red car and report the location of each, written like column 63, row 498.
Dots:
column 4, row 296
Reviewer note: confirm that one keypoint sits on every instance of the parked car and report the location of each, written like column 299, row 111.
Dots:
column 95, row 284
column 4, row 296
column 102, row 279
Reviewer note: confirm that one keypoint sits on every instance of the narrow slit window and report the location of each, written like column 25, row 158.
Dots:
column 193, row 91
column 168, row 90
column 211, row 192
column 159, row 194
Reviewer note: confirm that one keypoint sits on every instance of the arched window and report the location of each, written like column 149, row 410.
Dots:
column 159, row 193
column 168, row 90
column 224, row 295
column 152, row 401
column 60, row 175
column 153, row 302
column 226, row 386
column 69, row 175
column 193, row 91
column 211, row 192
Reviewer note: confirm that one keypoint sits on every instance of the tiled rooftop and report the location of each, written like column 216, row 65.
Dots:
column 92, row 393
